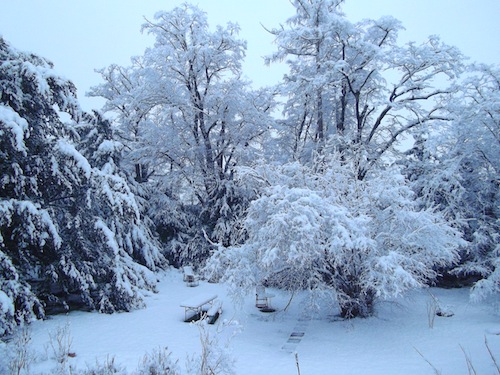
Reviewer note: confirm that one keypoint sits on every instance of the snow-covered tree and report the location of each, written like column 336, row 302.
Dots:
column 187, row 115
column 476, row 147
column 329, row 231
column 341, row 219
column 457, row 170
column 71, row 233
column 352, row 82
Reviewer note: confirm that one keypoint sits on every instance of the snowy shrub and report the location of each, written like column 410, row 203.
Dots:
column 107, row 367
column 18, row 303
column 361, row 239
column 60, row 342
column 159, row 362
column 215, row 357
column 21, row 355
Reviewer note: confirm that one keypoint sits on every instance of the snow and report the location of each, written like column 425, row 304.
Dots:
column 18, row 126
column 40, row 74
column 384, row 344
column 6, row 305
column 70, row 150
column 108, row 146
column 110, row 236
column 36, row 216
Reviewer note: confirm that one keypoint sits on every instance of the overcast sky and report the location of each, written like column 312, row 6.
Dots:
column 82, row 35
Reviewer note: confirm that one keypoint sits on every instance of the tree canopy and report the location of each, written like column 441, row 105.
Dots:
column 187, row 116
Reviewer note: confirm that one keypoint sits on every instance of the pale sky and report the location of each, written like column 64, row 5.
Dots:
column 79, row 36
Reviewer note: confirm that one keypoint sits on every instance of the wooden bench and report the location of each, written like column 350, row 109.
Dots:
column 190, row 277
column 196, row 306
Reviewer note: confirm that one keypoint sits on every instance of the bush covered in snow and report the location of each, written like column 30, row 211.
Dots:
column 327, row 230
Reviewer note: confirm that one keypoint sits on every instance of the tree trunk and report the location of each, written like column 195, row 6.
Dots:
column 356, row 303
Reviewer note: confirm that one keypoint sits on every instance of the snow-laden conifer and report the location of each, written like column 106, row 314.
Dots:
column 71, row 232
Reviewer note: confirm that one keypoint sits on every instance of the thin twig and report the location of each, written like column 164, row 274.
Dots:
column 470, row 367
column 491, row 354
column 297, row 363
column 436, row 371
column 290, row 301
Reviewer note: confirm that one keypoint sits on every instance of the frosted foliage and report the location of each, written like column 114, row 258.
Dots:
column 291, row 227
column 38, row 224
column 36, row 75
column 71, row 231
column 130, row 280
column 109, row 237
column 489, row 287
column 352, row 88
column 68, row 150
column 475, row 146
column 188, row 119
column 18, row 305
column 456, row 169
column 112, row 191
column 6, row 305
column 328, row 231
column 18, row 128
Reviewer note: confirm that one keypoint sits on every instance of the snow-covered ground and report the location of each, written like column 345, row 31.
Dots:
column 398, row 340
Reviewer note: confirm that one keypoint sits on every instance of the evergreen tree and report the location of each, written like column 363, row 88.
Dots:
column 71, row 233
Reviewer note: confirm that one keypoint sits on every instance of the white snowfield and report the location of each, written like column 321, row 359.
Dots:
column 398, row 340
